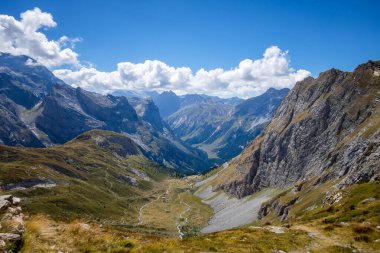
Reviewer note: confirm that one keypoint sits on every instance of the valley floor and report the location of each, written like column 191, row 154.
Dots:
column 172, row 219
column 174, row 211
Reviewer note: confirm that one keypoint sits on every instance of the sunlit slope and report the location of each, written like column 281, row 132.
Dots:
column 100, row 174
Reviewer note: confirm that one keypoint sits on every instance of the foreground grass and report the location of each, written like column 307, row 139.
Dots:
column 46, row 235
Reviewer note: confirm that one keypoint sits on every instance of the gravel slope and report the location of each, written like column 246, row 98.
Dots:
column 230, row 212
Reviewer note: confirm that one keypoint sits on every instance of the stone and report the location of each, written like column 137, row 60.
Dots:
column 276, row 230
column 364, row 201
column 4, row 204
column 84, row 226
column 16, row 201
column 9, row 237
column 14, row 210
column 5, row 201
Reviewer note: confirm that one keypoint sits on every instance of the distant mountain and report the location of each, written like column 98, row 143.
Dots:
column 223, row 127
column 37, row 110
column 260, row 106
column 168, row 103
column 148, row 111
column 139, row 94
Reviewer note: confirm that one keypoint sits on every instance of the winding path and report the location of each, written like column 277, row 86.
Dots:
column 145, row 205
column 181, row 217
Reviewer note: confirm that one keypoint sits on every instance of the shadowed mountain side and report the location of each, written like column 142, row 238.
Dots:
column 40, row 110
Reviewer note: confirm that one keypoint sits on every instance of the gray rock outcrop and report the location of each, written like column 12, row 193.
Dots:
column 12, row 225
column 328, row 128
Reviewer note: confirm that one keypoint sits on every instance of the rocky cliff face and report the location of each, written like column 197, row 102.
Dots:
column 326, row 128
column 37, row 110
column 67, row 112
column 148, row 111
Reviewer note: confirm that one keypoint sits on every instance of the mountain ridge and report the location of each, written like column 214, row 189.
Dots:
column 326, row 127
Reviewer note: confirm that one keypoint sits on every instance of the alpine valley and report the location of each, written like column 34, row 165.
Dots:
column 287, row 171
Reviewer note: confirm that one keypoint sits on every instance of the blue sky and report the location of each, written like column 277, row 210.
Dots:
column 214, row 34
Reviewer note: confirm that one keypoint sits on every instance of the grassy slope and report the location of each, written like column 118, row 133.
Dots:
column 341, row 224
column 89, row 180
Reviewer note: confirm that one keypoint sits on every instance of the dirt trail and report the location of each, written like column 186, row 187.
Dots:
column 145, row 205
column 180, row 224
column 110, row 183
column 322, row 240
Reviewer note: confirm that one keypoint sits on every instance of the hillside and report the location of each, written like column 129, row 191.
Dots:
column 65, row 180
column 101, row 176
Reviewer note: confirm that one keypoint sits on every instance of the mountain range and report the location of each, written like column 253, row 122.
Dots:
column 223, row 127
column 39, row 110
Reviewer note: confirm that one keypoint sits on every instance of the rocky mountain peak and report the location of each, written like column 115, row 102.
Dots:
column 168, row 102
column 263, row 105
column 147, row 110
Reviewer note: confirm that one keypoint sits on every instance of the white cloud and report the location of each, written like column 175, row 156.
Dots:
column 249, row 78
column 24, row 36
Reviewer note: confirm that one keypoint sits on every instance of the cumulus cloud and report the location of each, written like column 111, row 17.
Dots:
column 24, row 36
column 249, row 78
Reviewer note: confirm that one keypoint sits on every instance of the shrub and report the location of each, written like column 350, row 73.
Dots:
column 362, row 238
column 329, row 220
column 328, row 228
column 362, row 230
